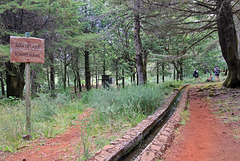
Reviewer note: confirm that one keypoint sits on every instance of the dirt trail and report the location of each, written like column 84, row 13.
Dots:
column 204, row 137
column 63, row 147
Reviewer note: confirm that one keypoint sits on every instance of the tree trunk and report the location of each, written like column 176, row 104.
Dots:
column 117, row 72
column 157, row 72
column 123, row 79
column 181, row 69
column 104, row 67
column 87, row 71
column 65, row 72
column 163, row 73
column 174, row 74
column 228, row 42
column 238, row 36
column 178, row 72
column 52, row 72
column 75, row 80
column 79, row 80
column 68, row 80
column 2, row 84
column 92, row 78
column 15, row 79
column 138, row 44
column 75, row 84
column 96, row 75
column 145, row 65
column 226, row 72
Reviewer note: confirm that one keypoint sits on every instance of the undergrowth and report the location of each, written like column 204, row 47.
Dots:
column 49, row 117
column 118, row 110
column 115, row 111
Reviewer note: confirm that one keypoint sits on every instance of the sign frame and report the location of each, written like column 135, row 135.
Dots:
column 26, row 50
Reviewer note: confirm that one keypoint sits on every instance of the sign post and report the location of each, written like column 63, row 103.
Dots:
column 27, row 50
column 28, row 95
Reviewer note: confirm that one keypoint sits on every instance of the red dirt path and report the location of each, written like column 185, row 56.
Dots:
column 63, row 147
column 204, row 137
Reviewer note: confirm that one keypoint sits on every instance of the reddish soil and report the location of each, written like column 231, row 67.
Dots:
column 63, row 147
column 205, row 137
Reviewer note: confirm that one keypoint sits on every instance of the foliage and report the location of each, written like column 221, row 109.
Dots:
column 185, row 117
column 49, row 118
column 117, row 110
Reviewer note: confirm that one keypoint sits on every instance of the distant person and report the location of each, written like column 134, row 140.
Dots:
column 217, row 72
column 195, row 75
column 210, row 79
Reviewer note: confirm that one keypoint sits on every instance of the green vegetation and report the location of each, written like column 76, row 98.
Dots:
column 156, row 44
column 118, row 110
column 49, row 118
column 185, row 116
column 114, row 112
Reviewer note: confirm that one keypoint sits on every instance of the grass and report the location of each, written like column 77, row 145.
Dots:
column 118, row 110
column 49, row 118
column 115, row 112
column 185, row 117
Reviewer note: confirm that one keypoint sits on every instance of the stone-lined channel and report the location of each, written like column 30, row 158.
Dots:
column 132, row 144
column 133, row 154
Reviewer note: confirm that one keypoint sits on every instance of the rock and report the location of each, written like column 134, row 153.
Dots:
column 148, row 156
column 27, row 137
column 21, row 147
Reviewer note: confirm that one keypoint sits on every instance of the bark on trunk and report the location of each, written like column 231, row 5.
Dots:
column 180, row 69
column 145, row 54
column 96, row 79
column 117, row 71
column 65, row 72
column 48, row 81
column 157, row 72
column 75, row 85
column 52, row 72
column 87, row 71
column 228, row 42
column 163, row 73
column 79, row 80
column 68, row 80
column 2, row 86
column 174, row 74
column 123, row 79
column 138, row 44
column 15, row 79
column 104, row 67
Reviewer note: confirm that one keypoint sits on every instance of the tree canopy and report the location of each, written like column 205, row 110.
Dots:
column 86, row 39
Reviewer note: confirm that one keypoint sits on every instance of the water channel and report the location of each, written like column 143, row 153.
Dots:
column 133, row 154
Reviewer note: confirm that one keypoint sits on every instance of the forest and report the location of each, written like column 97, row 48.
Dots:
column 135, row 39
column 126, row 44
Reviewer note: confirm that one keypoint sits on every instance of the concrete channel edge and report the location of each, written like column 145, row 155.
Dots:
column 154, row 150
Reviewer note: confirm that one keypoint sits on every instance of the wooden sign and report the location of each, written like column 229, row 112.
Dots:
column 26, row 50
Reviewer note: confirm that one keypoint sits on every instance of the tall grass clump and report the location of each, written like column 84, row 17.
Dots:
column 50, row 116
column 131, row 104
column 12, row 123
column 117, row 110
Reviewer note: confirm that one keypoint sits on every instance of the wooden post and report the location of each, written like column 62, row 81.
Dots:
column 27, row 50
column 28, row 95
